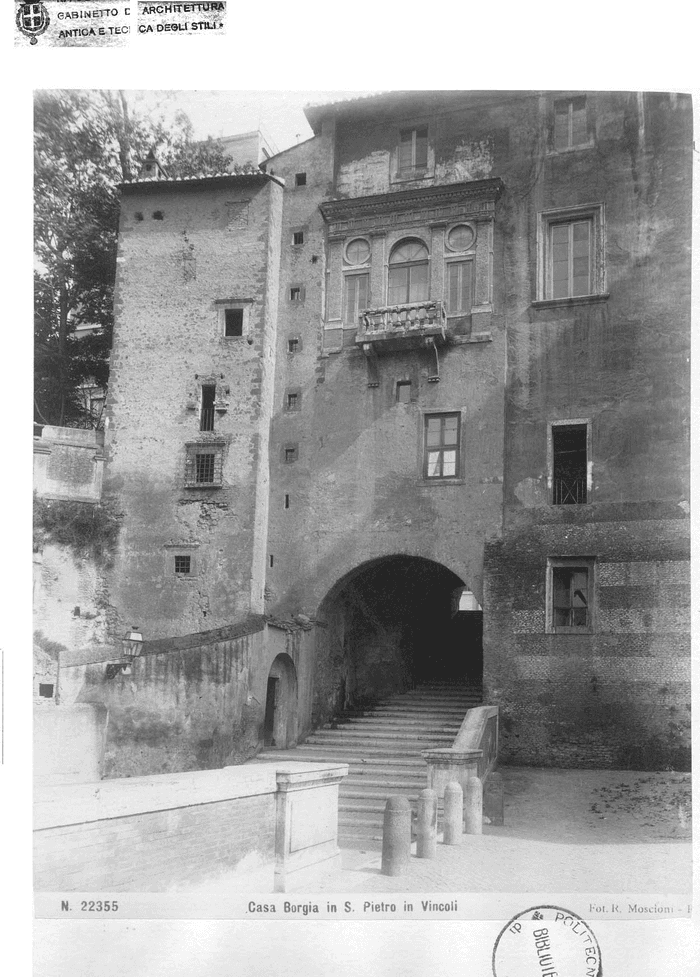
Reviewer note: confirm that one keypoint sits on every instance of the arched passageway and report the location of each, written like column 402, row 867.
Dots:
column 281, row 704
column 391, row 624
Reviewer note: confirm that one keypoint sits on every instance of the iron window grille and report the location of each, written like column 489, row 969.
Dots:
column 183, row 564
column 569, row 464
column 207, row 415
column 204, row 465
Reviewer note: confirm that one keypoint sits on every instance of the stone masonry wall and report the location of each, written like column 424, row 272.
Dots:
column 185, row 254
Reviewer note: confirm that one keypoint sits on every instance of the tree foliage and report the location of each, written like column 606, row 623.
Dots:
column 86, row 143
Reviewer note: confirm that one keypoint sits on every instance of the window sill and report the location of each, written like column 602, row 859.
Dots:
column 576, row 300
column 444, row 481
column 412, row 176
column 203, row 485
column 571, row 149
column 568, row 631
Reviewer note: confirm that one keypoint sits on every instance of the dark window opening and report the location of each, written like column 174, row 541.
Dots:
column 441, row 446
column 300, row 179
column 295, row 294
column 570, row 604
column 46, row 690
column 272, row 560
column 292, row 401
column 157, row 215
column 290, row 454
column 403, row 392
column 298, row 237
column 233, row 322
column 183, row 564
column 204, row 468
column 206, row 422
column 570, row 464
column 287, row 501
column 292, row 345
column 138, row 215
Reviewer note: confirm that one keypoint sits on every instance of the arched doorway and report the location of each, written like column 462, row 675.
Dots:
column 391, row 624
column 280, row 728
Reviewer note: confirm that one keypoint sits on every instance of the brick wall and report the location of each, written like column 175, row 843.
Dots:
column 618, row 697
column 151, row 852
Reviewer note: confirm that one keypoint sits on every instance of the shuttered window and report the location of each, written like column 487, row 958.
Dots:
column 459, row 287
column 570, row 259
column 570, row 123
column 413, row 149
column 356, row 297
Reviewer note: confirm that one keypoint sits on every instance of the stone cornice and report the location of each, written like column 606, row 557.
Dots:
column 382, row 207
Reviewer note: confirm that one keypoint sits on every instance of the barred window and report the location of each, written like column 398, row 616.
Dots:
column 204, row 465
column 183, row 564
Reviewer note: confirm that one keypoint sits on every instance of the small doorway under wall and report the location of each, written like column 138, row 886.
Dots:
column 280, row 728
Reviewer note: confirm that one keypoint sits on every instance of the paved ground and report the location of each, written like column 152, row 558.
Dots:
column 564, row 831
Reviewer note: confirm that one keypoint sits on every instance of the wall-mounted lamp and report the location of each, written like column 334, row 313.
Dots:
column 132, row 644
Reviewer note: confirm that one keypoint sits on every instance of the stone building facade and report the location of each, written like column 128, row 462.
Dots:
column 420, row 387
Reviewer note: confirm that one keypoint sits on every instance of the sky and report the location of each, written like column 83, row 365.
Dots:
column 225, row 113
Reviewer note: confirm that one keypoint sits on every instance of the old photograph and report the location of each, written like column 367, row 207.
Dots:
column 361, row 502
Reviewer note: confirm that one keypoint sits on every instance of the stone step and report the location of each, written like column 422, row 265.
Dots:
column 392, row 736
column 410, row 724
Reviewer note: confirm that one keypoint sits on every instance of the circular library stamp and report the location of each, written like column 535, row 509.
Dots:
column 546, row 941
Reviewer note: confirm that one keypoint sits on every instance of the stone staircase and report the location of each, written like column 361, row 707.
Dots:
column 382, row 747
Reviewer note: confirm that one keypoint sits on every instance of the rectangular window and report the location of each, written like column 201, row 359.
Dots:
column 459, row 287
column 441, row 448
column 290, row 454
column 570, row 123
column 356, row 298
column 413, row 149
column 287, row 500
column 570, row 259
column 233, row 319
column 206, row 420
column 46, row 690
column 408, row 283
column 183, row 564
column 293, row 401
column 569, row 464
column 204, row 464
column 204, row 467
column 300, row 179
column 571, row 254
column 570, row 595
column 298, row 237
column 296, row 293
column 292, row 345
column 403, row 392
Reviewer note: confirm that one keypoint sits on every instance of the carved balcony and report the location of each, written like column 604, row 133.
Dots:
column 396, row 327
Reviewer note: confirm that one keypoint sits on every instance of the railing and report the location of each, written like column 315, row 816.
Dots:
column 413, row 317
column 479, row 731
column 569, row 491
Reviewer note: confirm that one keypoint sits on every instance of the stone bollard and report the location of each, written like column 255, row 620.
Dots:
column 396, row 838
column 426, row 845
column 473, row 807
column 452, row 814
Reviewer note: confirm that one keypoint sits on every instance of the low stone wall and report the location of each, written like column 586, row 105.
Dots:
column 154, row 834
column 68, row 464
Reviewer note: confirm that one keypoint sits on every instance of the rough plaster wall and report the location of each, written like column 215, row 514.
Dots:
column 197, row 708
column 168, row 336
column 62, row 583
